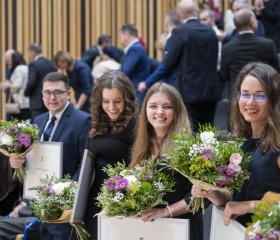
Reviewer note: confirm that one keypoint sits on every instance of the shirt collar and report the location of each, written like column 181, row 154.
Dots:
column 99, row 49
column 38, row 56
column 248, row 31
column 59, row 114
column 129, row 45
column 190, row 18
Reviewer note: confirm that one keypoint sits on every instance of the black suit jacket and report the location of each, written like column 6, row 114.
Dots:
column 246, row 48
column 90, row 55
column 193, row 50
column 37, row 70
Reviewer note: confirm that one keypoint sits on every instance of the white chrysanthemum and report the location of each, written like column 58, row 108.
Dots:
column 21, row 125
column 132, row 180
column 6, row 140
column 125, row 172
column 59, row 187
column 119, row 196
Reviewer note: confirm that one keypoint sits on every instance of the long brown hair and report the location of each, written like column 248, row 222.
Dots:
column 145, row 136
column 101, row 123
column 270, row 80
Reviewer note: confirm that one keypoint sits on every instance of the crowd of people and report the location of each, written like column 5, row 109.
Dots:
column 127, row 108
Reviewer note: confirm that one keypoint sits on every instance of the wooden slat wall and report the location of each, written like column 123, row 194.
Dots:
column 74, row 25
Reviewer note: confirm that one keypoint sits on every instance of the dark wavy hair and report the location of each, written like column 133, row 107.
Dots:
column 270, row 80
column 101, row 122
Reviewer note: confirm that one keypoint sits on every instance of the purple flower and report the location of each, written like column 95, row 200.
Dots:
column 23, row 140
column 49, row 190
column 256, row 237
column 111, row 182
column 207, row 153
column 122, row 183
column 1, row 133
column 227, row 172
column 149, row 175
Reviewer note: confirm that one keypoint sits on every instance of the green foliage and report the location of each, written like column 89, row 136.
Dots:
column 143, row 188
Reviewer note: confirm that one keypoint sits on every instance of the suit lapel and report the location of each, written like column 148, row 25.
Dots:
column 62, row 123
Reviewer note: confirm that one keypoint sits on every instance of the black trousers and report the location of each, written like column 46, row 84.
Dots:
column 57, row 231
column 201, row 113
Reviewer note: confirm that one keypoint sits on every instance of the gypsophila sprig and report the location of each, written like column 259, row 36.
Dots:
column 16, row 140
column 266, row 221
column 129, row 192
column 208, row 161
column 54, row 197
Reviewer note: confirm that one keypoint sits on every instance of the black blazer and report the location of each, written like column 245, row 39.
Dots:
column 193, row 51
column 37, row 70
column 246, row 48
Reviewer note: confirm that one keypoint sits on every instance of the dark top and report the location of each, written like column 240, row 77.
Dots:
column 265, row 176
column 108, row 149
column 82, row 81
column 182, row 191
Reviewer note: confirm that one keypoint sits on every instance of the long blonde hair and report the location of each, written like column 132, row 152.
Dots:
column 145, row 135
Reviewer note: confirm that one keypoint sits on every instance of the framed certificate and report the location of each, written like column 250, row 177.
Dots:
column 86, row 179
column 46, row 158
column 134, row 228
column 233, row 231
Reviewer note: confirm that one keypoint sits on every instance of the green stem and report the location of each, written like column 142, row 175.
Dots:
column 20, row 174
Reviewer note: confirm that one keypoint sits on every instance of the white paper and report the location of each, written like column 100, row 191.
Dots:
column 134, row 228
column 44, row 159
column 234, row 231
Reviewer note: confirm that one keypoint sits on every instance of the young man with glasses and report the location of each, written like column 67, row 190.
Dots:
column 62, row 123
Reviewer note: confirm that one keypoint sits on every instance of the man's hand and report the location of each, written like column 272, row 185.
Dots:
column 142, row 86
column 14, row 213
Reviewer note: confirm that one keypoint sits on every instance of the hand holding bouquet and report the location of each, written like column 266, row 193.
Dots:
column 209, row 163
column 16, row 140
column 55, row 201
column 266, row 220
column 129, row 192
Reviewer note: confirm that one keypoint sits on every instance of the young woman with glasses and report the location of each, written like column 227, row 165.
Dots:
column 255, row 116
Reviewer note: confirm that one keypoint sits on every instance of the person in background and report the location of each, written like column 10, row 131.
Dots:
column 80, row 78
column 70, row 127
column 103, row 46
column 17, row 85
column 163, row 113
column 113, row 109
column 171, row 22
column 255, row 116
column 135, row 63
column 268, row 12
column 38, row 68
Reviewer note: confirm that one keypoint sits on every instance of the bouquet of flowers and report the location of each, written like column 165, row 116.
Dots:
column 129, row 192
column 209, row 163
column 16, row 140
column 266, row 220
column 55, row 201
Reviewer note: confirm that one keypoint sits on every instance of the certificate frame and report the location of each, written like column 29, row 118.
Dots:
column 113, row 228
column 45, row 158
column 218, row 230
column 85, row 182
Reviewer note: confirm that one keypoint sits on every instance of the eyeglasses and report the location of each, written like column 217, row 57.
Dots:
column 56, row 93
column 245, row 97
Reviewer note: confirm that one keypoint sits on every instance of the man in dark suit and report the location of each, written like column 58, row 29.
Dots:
column 135, row 63
column 37, row 70
column 171, row 21
column 103, row 46
column 193, row 52
column 247, row 47
column 70, row 128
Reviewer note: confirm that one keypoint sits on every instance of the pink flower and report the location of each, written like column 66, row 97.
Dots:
column 235, row 160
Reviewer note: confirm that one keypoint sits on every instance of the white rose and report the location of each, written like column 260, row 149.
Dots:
column 59, row 187
column 132, row 180
column 6, row 140
column 207, row 137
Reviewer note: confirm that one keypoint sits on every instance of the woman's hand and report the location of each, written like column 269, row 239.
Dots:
column 236, row 209
column 153, row 214
column 16, row 162
column 5, row 85
column 198, row 192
